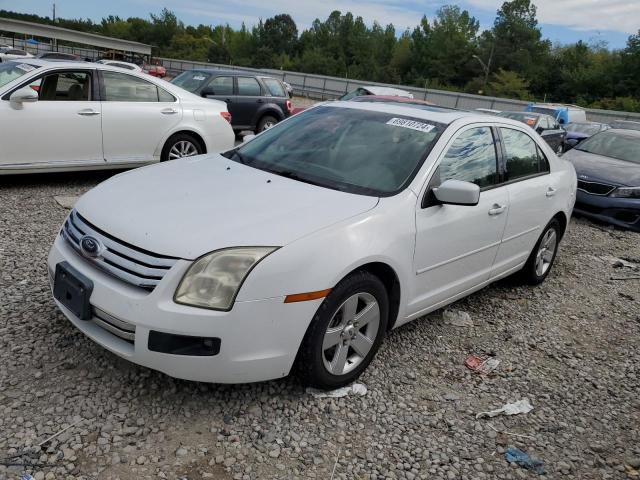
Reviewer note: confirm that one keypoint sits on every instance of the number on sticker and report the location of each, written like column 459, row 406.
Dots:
column 412, row 124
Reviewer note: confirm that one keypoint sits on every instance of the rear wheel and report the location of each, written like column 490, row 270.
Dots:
column 543, row 255
column 345, row 333
column 266, row 123
column 179, row 146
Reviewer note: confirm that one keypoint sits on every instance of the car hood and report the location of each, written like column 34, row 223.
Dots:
column 590, row 166
column 186, row 208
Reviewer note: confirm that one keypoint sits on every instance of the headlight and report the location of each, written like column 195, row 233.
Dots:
column 626, row 192
column 213, row 280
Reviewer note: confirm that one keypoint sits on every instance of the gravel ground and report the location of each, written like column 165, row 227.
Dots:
column 570, row 346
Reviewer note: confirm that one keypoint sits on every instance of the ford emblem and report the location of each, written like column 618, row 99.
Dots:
column 90, row 246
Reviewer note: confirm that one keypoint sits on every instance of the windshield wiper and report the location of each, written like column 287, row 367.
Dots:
column 296, row 176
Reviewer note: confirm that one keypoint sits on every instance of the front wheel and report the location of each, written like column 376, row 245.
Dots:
column 543, row 255
column 345, row 332
column 179, row 146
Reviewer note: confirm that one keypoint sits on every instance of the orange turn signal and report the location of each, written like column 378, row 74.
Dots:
column 304, row 297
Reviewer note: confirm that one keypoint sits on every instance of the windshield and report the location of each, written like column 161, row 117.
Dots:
column 358, row 92
column 586, row 128
column 615, row 145
column 347, row 149
column 191, row 81
column 9, row 71
column 521, row 117
column 547, row 111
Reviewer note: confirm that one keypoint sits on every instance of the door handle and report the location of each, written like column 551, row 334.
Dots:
column 169, row 111
column 88, row 112
column 260, row 100
column 551, row 192
column 497, row 209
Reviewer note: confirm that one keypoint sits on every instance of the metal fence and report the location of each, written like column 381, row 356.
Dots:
column 322, row 87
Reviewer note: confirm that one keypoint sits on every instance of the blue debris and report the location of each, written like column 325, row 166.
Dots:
column 513, row 455
column 26, row 476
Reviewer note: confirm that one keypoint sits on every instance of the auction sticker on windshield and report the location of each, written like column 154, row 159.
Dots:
column 412, row 124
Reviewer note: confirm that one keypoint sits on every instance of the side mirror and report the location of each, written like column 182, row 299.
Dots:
column 206, row 91
column 24, row 95
column 248, row 138
column 457, row 192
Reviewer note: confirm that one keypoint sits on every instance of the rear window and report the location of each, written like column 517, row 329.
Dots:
column 275, row 87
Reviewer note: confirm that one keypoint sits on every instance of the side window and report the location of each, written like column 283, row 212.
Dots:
column 544, row 163
column 65, row 86
column 222, row 85
column 521, row 154
column 164, row 96
column 119, row 87
column 471, row 158
column 275, row 87
column 248, row 86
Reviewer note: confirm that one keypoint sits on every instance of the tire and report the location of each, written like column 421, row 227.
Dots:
column 181, row 145
column 542, row 257
column 356, row 343
column 266, row 122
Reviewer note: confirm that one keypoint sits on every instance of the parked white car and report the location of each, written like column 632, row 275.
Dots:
column 124, row 65
column 7, row 54
column 81, row 115
column 307, row 244
column 377, row 90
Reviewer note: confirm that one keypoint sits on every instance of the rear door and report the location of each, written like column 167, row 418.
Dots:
column 531, row 187
column 248, row 100
column 136, row 116
column 62, row 127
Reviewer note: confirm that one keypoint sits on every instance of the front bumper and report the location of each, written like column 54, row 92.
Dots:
column 259, row 339
column 622, row 212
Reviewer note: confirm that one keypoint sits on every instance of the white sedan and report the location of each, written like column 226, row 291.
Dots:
column 8, row 53
column 61, row 116
column 119, row 64
column 305, row 245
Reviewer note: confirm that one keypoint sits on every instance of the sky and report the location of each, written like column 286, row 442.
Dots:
column 563, row 21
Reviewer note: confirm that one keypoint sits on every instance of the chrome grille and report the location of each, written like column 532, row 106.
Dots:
column 114, row 325
column 595, row 188
column 128, row 263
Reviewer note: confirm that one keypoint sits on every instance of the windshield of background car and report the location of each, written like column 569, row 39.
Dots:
column 521, row 117
column 614, row 145
column 191, row 81
column 9, row 71
column 358, row 92
column 352, row 150
column 586, row 128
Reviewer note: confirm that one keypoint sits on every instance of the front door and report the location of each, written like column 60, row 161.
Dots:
column 62, row 127
column 132, row 104
column 456, row 245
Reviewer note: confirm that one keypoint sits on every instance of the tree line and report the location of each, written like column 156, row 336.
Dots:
column 448, row 51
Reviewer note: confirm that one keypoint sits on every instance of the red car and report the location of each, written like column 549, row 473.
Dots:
column 156, row 71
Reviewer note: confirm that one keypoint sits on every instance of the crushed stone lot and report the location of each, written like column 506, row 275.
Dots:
column 569, row 346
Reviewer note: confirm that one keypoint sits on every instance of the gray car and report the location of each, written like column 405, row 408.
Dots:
column 608, row 169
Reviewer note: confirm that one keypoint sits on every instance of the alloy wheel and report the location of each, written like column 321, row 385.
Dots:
column 351, row 333
column 183, row 148
column 546, row 251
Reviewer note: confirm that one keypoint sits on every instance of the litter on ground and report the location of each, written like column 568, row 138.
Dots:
column 354, row 389
column 513, row 455
column 521, row 406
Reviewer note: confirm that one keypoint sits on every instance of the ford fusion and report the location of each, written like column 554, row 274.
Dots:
column 301, row 249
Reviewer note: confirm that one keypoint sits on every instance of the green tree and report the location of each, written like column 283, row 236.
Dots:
column 509, row 84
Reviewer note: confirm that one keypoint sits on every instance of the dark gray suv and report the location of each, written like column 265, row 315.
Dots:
column 255, row 102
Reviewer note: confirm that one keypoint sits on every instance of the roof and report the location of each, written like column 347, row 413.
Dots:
column 424, row 112
column 228, row 71
column 66, row 34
